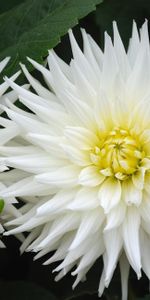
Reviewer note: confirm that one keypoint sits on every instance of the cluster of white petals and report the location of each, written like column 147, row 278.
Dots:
column 80, row 159
column 7, row 210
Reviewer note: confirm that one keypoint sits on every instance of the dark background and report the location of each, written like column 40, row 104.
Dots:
column 20, row 277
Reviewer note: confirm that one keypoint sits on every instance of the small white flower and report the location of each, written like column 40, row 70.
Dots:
column 81, row 162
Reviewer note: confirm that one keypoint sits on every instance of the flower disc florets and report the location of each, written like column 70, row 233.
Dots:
column 118, row 154
column 81, row 158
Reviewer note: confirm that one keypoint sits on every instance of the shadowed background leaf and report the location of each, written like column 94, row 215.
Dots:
column 17, row 290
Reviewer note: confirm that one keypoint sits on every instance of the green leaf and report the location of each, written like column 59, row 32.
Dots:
column 9, row 4
column 21, row 290
column 1, row 205
column 23, row 18
column 35, row 26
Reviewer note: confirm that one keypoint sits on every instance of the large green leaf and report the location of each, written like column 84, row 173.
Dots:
column 23, row 18
column 9, row 4
column 35, row 26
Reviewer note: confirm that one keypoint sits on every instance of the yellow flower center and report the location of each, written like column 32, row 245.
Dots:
column 119, row 154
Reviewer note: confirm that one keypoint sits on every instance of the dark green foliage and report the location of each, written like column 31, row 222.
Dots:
column 35, row 26
column 21, row 290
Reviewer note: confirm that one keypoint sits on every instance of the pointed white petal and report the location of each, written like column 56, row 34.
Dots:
column 113, row 243
column 131, row 239
column 124, row 270
column 91, row 222
column 109, row 194
column 65, row 176
column 90, row 176
column 85, row 199
column 130, row 193
column 116, row 216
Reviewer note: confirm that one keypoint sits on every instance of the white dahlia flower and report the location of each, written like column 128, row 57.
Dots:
column 6, row 208
column 81, row 158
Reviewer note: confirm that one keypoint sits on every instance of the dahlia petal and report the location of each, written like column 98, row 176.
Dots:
column 81, row 60
column 140, row 76
column 44, row 232
column 131, row 239
column 78, row 109
column 90, row 223
column 81, row 276
column 120, row 112
column 57, row 202
column 51, row 247
column 25, row 227
column 24, row 93
column 77, row 156
column 87, row 49
column 96, row 51
column 144, row 35
column 145, row 208
column 48, row 143
column 74, row 254
column 134, row 44
column 38, row 87
column 58, row 75
column 26, row 187
column 138, row 178
column 62, row 250
column 85, row 199
column 144, row 240
column 12, row 176
column 89, row 258
column 11, row 96
column 85, row 89
column 50, row 115
column 2, row 244
column 116, row 216
column 131, row 194
column 3, row 63
column 81, row 137
column 113, row 243
column 65, row 176
column 109, row 194
column 29, row 239
column 102, row 279
column 90, row 176
column 17, row 150
column 110, row 65
column 103, row 111
column 63, row 273
column 4, row 86
column 124, row 271
column 32, row 163
column 6, row 134
column 147, row 185
column 120, row 53
column 28, row 123
column 60, row 226
column 46, row 74
column 63, row 66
